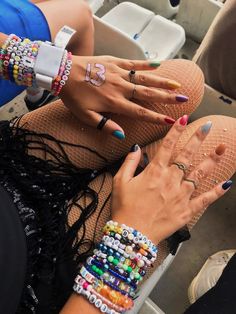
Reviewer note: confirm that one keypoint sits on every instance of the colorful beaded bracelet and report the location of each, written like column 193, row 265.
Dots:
column 17, row 59
column 119, row 263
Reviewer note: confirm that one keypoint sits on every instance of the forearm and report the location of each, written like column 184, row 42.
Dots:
column 3, row 38
column 78, row 304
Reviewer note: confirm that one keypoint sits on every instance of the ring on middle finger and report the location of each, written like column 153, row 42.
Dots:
column 191, row 181
column 133, row 92
column 132, row 76
column 181, row 166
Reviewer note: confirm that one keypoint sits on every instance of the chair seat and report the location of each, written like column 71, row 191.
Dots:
column 157, row 36
column 129, row 18
column 162, row 39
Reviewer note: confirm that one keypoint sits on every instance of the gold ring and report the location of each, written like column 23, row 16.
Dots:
column 181, row 166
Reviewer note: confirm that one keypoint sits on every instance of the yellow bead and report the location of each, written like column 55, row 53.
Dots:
column 145, row 246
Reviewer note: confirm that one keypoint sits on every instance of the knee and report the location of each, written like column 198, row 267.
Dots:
column 85, row 16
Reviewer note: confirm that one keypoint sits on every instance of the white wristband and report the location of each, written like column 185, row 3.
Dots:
column 49, row 58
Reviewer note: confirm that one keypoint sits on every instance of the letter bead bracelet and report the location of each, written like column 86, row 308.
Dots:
column 110, row 277
column 18, row 57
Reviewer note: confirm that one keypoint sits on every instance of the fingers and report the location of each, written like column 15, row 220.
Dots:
column 150, row 80
column 93, row 119
column 203, row 169
column 129, row 166
column 135, row 111
column 136, row 64
column 190, row 149
column 165, row 151
column 197, row 204
column 157, row 95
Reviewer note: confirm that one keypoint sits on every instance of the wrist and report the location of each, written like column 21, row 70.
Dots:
column 110, row 277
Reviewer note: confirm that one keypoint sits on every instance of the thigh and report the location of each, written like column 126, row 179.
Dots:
column 223, row 131
column 97, row 149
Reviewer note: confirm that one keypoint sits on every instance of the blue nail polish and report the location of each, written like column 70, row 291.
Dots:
column 181, row 98
column 118, row 134
column 206, row 127
column 227, row 184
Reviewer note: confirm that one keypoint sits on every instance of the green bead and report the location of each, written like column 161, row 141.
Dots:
column 125, row 267
column 137, row 276
column 129, row 269
column 94, row 268
column 115, row 261
column 110, row 259
column 100, row 272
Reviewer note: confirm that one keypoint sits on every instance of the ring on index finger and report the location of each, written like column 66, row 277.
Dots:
column 181, row 166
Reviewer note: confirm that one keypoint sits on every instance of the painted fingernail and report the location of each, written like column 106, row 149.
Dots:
column 169, row 120
column 206, row 127
column 134, row 148
column 184, row 120
column 220, row 149
column 154, row 64
column 227, row 184
column 118, row 134
column 173, row 84
column 181, row 98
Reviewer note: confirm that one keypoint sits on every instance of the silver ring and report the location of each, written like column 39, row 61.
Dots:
column 181, row 166
column 192, row 181
column 133, row 92
column 132, row 76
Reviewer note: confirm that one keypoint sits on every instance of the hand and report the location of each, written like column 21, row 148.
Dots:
column 102, row 84
column 157, row 202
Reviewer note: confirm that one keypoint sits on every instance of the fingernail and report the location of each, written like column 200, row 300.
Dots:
column 173, row 84
column 220, row 149
column 134, row 148
column 154, row 64
column 169, row 120
column 118, row 134
column 227, row 184
column 184, row 120
column 206, row 127
column 181, row 98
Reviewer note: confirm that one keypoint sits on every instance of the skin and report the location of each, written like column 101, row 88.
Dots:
column 87, row 101
column 159, row 195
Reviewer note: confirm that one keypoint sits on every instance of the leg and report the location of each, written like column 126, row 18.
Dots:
column 76, row 14
column 112, row 149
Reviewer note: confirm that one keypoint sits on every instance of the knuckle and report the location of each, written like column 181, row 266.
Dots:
column 187, row 153
column 148, row 92
column 131, row 64
column 168, row 143
column 204, row 202
column 142, row 78
column 142, row 112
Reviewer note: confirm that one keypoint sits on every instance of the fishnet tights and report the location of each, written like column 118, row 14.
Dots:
column 56, row 120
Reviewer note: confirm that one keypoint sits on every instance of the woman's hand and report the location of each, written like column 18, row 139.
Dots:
column 157, row 202
column 103, row 84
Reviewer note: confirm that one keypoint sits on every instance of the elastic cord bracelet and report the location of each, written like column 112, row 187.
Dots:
column 18, row 59
column 119, row 263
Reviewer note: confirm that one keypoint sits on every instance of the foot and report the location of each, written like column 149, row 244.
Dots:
column 46, row 98
column 209, row 274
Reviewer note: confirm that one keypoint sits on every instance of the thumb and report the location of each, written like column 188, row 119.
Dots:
column 129, row 166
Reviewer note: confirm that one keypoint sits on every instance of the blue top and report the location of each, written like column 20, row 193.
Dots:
column 22, row 18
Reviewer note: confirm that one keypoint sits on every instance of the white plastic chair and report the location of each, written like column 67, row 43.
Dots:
column 197, row 16
column 158, row 37
column 95, row 4
column 162, row 7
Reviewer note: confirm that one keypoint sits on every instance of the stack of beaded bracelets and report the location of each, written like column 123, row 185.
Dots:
column 17, row 58
column 109, row 278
